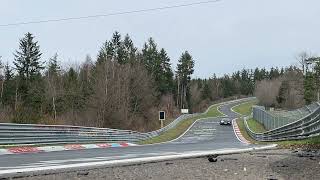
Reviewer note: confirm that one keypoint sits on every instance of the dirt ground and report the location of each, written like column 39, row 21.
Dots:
column 269, row 165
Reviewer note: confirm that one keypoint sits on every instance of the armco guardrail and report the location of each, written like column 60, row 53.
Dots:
column 305, row 127
column 275, row 119
column 15, row 134
column 30, row 134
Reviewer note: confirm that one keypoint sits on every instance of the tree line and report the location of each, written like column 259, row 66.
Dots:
column 297, row 86
column 125, row 87
column 237, row 84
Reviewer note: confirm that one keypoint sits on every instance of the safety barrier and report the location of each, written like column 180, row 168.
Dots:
column 28, row 134
column 34, row 134
column 275, row 119
column 305, row 127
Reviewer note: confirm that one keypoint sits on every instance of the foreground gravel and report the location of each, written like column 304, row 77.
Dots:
column 273, row 164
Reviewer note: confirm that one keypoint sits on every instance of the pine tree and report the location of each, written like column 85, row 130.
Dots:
column 129, row 50
column 8, row 74
column 309, row 88
column 8, row 87
column 27, row 59
column 150, row 55
column 317, row 76
column 73, row 99
column 30, row 86
column 115, row 49
column 53, row 75
column 53, row 66
column 166, row 73
column 205, row 93
column 256, row 75
column 184, row 71
column 158, row 65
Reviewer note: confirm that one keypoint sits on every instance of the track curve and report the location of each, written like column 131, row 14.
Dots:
column 204, row 135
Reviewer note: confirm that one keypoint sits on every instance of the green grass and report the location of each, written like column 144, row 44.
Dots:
column 255, row 126
column 181, row 127
column 243, row 131
column 314, row 141
column 245, row 108
column 213, row 112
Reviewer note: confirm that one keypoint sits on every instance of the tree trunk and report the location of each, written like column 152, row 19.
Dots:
column 54, row 108
column 113, row 69
column 16, row 99
column 178, row 95
column 106, row 80
column 2, row 84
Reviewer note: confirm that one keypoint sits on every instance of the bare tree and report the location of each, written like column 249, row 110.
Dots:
column 302, row 59
column 1, row 79
column 267, row 91
column 291, row 93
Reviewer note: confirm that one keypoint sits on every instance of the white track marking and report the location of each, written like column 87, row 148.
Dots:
column 133, row 160
column 82, row 160
column 219, row 105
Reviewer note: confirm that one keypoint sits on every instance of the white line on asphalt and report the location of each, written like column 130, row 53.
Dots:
column 224, row 115
column 89, row 165
column 79, row 160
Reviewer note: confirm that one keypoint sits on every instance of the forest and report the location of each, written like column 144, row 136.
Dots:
column 125, row 86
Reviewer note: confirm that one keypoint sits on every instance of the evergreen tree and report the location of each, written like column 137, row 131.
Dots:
column 256, row 75
column 53, row 66
column 8, row 86
column 228, row 86
column 73, row 99
column 150, row 55
column 129, row 50
column 166, row 82
column 282, row 72
column 316, row 68
column 8, row 74
column 199, row 82
column 116, row 49
column 205, row 93
column 185, row 69
column 158, row 65
column 309, row 88
column 27, row 58
column 30, row 82
column 53, row 77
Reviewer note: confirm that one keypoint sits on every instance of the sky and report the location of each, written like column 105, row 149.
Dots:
column 222, row 37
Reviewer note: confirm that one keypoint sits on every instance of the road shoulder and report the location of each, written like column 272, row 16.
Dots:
column 271, row 164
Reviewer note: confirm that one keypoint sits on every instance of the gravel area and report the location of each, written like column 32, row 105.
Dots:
column 273, row 164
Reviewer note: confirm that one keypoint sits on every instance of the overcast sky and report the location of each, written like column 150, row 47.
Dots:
column 222, row 37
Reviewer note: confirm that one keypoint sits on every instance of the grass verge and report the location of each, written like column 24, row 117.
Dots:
column 255, row 126
column 310, row 143
column 243, row 131
column 245, row 108
column 313, row 142
column 181, row 127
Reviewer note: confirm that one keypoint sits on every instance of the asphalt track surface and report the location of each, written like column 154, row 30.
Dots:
column 205, row 134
